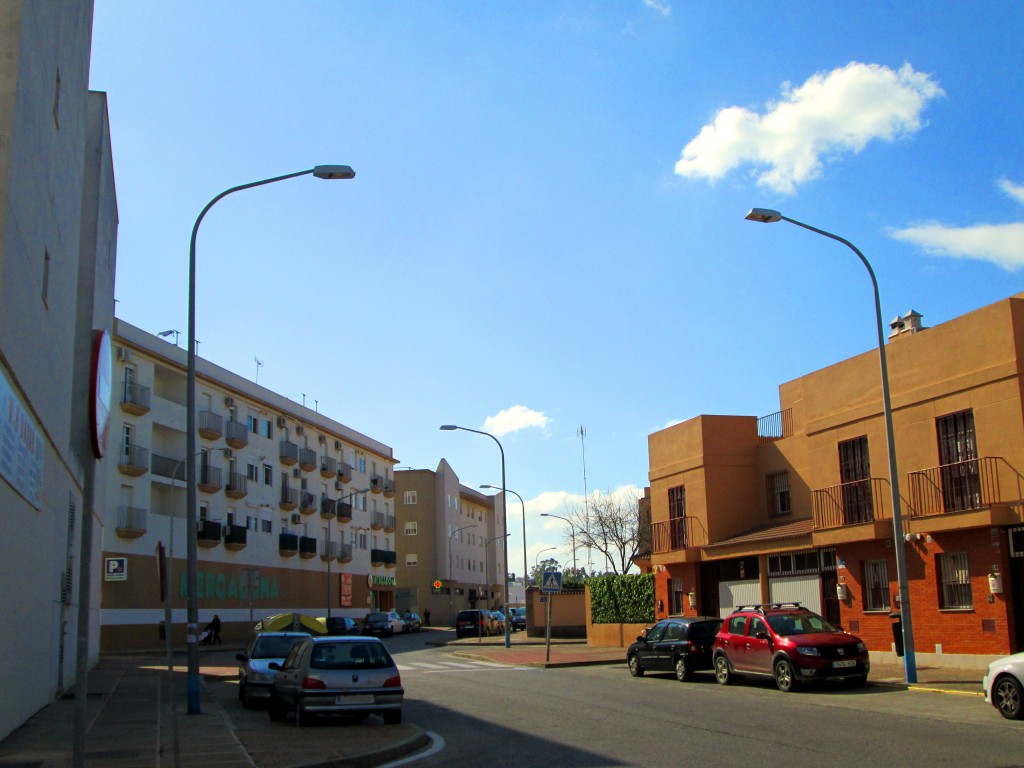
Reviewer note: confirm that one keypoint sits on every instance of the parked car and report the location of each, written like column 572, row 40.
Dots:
column 680, row 644
column 518, row 617
column 383, row 623
column 499, row 621
column 337, row 676
column 254, row 673
column 1003, row 684
column 473, row 623
column 411, row 622
column 789, row 643
column 342, row 625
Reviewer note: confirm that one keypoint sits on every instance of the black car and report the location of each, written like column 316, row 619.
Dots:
column 680, row 644
column 473, row 623
column 518, row 619
column 411, row 622
column 342, row 625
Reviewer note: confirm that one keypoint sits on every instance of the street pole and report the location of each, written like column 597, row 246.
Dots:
column 191, row 546
column 767, row 216
column 572, row 529
column 526, row 575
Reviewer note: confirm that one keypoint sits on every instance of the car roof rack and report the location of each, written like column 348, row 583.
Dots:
column 762, row 607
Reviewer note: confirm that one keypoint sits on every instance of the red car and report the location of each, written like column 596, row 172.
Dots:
column 789, row 643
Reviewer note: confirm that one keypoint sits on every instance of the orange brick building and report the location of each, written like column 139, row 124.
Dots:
column 796, row 506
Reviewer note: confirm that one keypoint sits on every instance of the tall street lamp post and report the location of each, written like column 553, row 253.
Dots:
column 330, row 555
column 767, row 216
column 526, row 575
column 321, row 172
column 571, row 528
column 504, row 514
column 451, row 606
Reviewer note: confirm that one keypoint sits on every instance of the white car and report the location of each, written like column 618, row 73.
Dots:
column 1004, row 683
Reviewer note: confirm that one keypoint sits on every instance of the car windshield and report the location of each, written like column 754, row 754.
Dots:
column 377, row 617
column 274, row 646
column 805, row 623
column 350, row 656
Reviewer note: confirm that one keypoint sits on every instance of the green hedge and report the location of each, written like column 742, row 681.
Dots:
column 625, row 599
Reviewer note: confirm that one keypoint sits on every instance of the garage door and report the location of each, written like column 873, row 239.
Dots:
column 805, row 590
column 734, row 593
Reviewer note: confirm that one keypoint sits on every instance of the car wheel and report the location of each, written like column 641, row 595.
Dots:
column 276, row 709
column 723, row 674
column 392, row 716
column 785, row 677
column 683, row 673
column 1006, row 695
column 635, row 668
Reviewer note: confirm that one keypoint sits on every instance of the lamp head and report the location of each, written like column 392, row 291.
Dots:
column 763, row 215
column 334, row 172
column 492, row 487
column 448, row 427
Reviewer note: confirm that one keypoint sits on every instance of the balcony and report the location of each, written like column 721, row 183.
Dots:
column 380, row 557
column 983, row 487
column 677, row 534
column 211, row 425
column 376, row 484
column 209, row 479
column 856, row 511
column 344, row 512
column 208, row 534
column 289, row 453
column 288, row 544
column 307, row 459
column 236, row 434
column 237, row 487
column 328, row 467
column 131, row 522
column 328, row 508
column 775, row 426
column 389, row 523
column 289, row 499
column 345, row 472
column 328, row 550
column 235, row 537
column 164, row 466
column 135, row 399
column 133, row 460
column 345, row 553
column 307, row 547
column 389, row 489
column 307, row 503
column 376, row 521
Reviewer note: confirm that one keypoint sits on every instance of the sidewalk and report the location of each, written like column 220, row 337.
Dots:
column 131, row 718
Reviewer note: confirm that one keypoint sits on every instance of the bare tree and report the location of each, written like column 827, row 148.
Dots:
column 609, row 523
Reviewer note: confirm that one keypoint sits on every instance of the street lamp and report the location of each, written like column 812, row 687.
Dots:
column 571, row 528
column 767, row 216
column 192, row 578
column 451, row 608
column 334, row 514
column 526, row 576
column 536, row 560
column 504, row 513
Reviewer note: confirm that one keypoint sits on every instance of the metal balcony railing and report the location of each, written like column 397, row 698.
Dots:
column 164, row 466
column 677, row 533
column 289, row 452
column 345, row 472
column 289, row 496
column 377, row 520
column 211, row 424
column 131, row 519
column 134, row 456
column 238, row 485
column 775, row 426
column 328, row 466
column 963, row 486
column 236, row 434
column 136, row 395
column 853, row 503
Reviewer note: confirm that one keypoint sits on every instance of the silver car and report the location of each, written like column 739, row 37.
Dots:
column 254, row 674
column 337, row 676
column 1004, row 686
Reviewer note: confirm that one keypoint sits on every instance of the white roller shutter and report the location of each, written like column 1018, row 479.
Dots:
column 734, row 593
column 805, row 590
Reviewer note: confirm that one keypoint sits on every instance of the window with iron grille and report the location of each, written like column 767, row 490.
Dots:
column 955, row 577
column 876, row 585
column 677, row 517
column 676, row 597
column 778, row 494
column 793, row 563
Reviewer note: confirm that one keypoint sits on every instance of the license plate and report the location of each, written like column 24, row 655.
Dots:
column 359, row 698
column 844, row 663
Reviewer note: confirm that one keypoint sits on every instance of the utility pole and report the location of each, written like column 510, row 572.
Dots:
column 582, row 434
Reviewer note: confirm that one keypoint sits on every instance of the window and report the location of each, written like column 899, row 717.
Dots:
column 411, row 529
column 266, row 428
column 411, row 559
column 876, row 585
column 737, row 624
column 675, row 596
column 855, row 476
column 362, row 464
column 756, row 625
column 252, row 424
column 362, row 539
column 778, row 494
column 955, row 578
column 677, row 517
column 958, row 455
column 410, row 497
column 268, row 474
column 252, row 472
column 251, row 523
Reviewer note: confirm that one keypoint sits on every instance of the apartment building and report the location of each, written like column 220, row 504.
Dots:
column 58, row 234
column 449, row 544
column 295, row 509
column 796, row 506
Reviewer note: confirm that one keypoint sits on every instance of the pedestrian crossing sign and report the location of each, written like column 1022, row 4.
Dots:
column 552, row 582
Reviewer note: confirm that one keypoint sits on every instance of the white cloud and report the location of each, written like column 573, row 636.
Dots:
column 832, row 113
column 671, row 423
column 655, row 5
column 514, row 419
column 1000, row 244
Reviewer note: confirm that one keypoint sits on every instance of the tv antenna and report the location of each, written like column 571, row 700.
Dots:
column 581, row 433
column 259, row 364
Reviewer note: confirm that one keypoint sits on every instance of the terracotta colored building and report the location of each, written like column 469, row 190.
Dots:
column 796, row 506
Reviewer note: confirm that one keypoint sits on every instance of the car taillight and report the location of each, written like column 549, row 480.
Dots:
column 310, row 683
column 393, row 682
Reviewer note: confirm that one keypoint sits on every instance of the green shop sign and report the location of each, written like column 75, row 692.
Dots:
column 218, row 586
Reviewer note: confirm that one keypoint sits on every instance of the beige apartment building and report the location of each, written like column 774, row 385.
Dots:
column 449, row 545
column 796, row 506
column 296, row 510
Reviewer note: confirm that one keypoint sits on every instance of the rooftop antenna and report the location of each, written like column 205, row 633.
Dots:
column 259, row 364
column 581, row 433
column 165, row 334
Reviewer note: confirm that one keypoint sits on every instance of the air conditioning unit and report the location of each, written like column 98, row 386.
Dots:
column 296, row 518
column 123, row 353
column 338, row 485
column 280, row 422
column 337, row 445
column 299, row 429
column 296, row 472
column 229, row 401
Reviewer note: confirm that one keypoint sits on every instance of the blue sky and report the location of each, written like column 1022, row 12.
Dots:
column 546, row 227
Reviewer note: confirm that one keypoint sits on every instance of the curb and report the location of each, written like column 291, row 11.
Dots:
column 373, row 758
column 535, row 664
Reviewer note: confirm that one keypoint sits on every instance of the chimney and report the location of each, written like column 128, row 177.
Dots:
column 909, row 323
